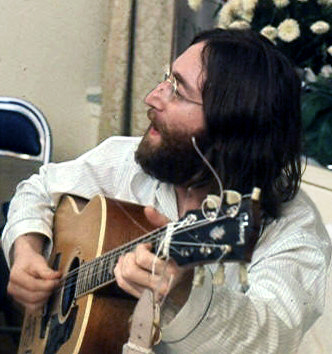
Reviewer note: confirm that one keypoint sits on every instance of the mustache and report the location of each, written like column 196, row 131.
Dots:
column 155, row 123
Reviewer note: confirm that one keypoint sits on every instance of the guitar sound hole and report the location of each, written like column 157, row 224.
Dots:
column 70, row 287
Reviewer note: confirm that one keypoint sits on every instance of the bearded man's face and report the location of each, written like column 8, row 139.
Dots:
column 176, row 114
column 174, row 160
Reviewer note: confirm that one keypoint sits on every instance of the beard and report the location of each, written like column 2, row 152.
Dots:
column 174, row 160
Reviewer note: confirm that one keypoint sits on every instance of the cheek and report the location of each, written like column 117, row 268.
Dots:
column 186, row 120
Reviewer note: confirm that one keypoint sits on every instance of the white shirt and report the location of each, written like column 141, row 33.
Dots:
column 287, row 274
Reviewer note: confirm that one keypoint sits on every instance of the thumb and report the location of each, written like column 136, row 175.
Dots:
column 42, row 270
column 154, row 217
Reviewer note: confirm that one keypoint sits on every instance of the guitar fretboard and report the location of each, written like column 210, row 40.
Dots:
column 99, row 272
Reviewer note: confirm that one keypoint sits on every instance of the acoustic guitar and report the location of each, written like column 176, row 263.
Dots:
column 86, row 314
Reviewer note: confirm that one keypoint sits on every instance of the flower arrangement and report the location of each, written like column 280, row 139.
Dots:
column 301, row 29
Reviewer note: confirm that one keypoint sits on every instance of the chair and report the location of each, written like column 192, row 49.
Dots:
column 24, row 132
column 25, row 145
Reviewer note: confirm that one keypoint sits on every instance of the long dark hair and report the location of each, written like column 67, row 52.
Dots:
column 251, row 102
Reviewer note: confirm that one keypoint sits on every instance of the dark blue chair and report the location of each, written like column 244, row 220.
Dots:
column 25, row 145
column 24, row 132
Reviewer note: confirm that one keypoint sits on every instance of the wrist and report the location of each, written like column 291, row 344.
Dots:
column 29, row 242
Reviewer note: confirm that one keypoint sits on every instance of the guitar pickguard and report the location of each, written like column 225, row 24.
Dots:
column 60, row 333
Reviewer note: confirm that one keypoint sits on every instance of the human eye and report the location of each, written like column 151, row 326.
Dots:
column 176, row 91
column 175, row 86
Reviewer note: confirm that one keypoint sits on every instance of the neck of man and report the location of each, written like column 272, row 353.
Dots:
column 190, row 198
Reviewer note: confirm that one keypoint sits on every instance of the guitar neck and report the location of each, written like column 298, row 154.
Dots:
column 197, row 240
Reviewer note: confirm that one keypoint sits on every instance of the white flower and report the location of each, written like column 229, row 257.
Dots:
column 269, row 32
column 289, row 30
column 320, row 27
column 236, row 5
column 239, row 25
column 248, row 7
column 228, row 13
column 325, row 2
column 329, row 49
column 309, row 75
column 281, row 3
column 326, row 71
column 225, row 16
column 195, row 4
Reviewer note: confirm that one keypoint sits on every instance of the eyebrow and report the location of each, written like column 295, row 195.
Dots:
column 181, row 80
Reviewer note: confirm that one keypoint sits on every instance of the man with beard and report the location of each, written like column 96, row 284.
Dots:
column 238, row 97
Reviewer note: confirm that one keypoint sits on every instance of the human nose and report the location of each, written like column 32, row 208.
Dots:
column 160, row 94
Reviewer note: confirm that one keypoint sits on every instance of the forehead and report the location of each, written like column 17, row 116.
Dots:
column 189, row 63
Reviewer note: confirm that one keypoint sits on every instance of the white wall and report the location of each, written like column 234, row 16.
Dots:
column 51, row 52
column 317, row 183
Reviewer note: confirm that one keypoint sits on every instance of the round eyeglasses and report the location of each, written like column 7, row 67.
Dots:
column 174, row 93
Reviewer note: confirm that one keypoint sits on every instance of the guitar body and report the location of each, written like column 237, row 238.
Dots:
column 84, row 315
column 96, row 322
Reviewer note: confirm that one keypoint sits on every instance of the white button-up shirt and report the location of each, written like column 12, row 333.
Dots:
column 287, row 274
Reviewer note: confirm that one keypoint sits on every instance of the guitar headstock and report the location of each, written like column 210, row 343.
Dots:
column 228, row 232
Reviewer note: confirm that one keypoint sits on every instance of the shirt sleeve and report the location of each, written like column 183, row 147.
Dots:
column 286, row 295
column 95, row 172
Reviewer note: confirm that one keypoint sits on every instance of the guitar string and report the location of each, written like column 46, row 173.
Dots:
column 154, row 236
column 109, row 256
column 123, row 249
column 215, row 175
column 113, row 255
column 111, row 280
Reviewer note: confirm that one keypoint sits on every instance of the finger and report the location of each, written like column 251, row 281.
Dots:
column 133, row 279
column 126, row 285
column 131, row 272
column 35, row 285
column 25, row 297
column 40, row 269
column 154, row 217
column 129, row 287
column 25, row 280
column 149, row 261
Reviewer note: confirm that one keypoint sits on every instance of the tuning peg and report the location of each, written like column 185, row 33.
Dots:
column 256, row 194
column 199, row 276
column 213, row 201
column 243, row 277
column 219, row 275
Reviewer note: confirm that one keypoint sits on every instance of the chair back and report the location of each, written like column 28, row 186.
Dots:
column 24, row 132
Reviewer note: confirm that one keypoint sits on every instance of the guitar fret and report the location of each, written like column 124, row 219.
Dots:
column 78, row 283
column 89, row 275
column 100, row 271
column 104, row 270
column 95, row 275
column 109, row 269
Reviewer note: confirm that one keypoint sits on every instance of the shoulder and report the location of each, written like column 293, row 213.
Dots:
column 116, row 146
column 124, row 141
column 114, row 151
column 300, row 225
